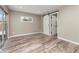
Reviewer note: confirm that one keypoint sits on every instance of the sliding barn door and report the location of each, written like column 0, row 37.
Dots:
column 46, row 28
column 54, row 24
column 50, row 24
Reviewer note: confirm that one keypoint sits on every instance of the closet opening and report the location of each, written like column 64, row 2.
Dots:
column 50, row 24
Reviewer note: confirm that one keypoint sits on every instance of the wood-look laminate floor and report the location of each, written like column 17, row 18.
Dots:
column 38, row 43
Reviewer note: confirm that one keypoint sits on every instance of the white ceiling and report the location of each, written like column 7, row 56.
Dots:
column 35, row 9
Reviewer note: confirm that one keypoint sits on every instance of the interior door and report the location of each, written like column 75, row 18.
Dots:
column 46, row 28
column 54, row 25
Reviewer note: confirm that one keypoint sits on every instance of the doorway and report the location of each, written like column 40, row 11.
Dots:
column 50, row 24
column 54, row 24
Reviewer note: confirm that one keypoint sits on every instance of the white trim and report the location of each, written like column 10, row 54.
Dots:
column 45, row 34
column 68, row 40
column 24, row 34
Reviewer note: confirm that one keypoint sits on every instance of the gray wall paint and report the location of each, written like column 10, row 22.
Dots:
column 16, row 27
column 68, row 23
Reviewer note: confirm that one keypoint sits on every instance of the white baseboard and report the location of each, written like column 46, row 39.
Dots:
column 24, row 34
column 68, row 40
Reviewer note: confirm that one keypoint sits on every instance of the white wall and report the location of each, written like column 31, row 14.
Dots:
column 68, row 23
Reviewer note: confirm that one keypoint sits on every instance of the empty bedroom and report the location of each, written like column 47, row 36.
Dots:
column 39, row 28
